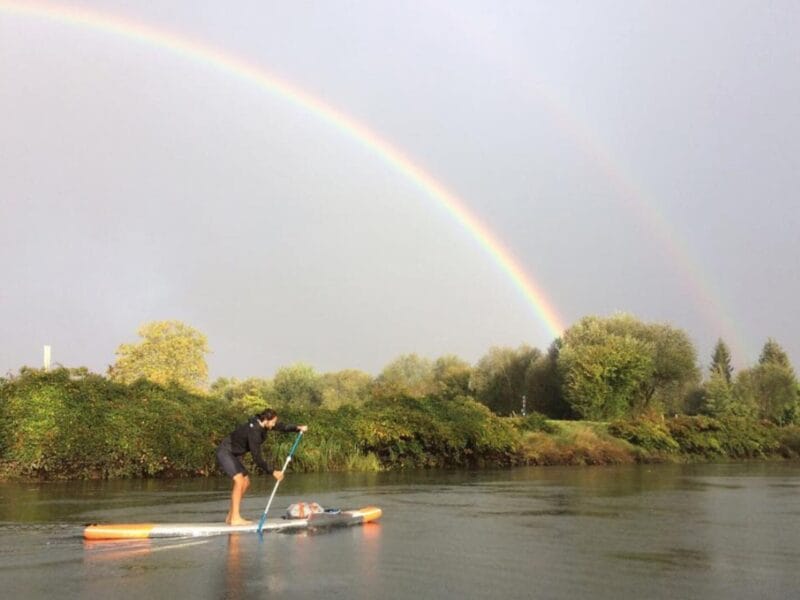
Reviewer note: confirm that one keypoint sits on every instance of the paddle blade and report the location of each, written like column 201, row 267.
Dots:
column 261, row 522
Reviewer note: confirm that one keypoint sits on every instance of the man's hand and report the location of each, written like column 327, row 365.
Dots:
column 278, row 475
column 302, row 428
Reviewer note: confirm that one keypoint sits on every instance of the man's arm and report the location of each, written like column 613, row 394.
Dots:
column 289, row 427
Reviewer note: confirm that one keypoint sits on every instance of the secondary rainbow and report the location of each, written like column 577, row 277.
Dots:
column 634, row 198
column 203, row 53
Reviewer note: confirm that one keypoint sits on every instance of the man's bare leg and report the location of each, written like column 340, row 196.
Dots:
column 240, row 484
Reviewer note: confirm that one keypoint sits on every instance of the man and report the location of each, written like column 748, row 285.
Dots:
column 248, row 437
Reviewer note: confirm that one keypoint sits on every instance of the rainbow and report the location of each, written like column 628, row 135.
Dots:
column 634, row 198
column 214, row 57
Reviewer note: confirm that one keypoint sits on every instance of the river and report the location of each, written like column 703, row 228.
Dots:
column 716, row 531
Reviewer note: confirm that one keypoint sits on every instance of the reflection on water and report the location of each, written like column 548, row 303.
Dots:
column 671, row 531
column 233, row 578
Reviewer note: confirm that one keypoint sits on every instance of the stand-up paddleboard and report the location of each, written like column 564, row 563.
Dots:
column 166, row 530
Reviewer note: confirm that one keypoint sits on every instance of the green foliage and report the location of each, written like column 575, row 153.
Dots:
column 417, row 414
column 717, row 395
column 412, row 432
column 603, row 371
column 169, row 353
column 69, row 423
column 348, row 387
column 773, row 354
column 78, row 425
column 700, row 437
column 535, row 421
column 297, row 385
column 407, row 375
column 770, row 390
column 618, row 366
column 232, row 390
column 331, row 443
column 732, row 437
column 545, row 386
column 675, row 370
column 721, row 361
column 649, row 434
column 502, row 377
column 789, row 441
column 451, row 377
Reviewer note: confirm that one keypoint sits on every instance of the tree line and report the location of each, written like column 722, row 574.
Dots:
column 610, row 390
column 600, row 369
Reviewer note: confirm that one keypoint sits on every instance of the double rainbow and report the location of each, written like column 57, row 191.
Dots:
column 236, row 66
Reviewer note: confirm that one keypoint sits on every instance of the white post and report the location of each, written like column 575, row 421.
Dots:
column 47, row 358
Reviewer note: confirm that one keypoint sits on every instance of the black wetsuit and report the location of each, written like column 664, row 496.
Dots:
column 247, row 437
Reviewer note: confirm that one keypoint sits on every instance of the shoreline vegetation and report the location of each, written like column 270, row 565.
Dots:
column 72, row 424
column 611, row 390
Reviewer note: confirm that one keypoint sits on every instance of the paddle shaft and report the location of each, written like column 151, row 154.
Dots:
column 277, row 483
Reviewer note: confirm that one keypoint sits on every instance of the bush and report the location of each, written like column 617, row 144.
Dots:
column 650, row 435
column 733, row 437
column 434, row 432
column 71, row 423
column 788, row 440
column 535, row 422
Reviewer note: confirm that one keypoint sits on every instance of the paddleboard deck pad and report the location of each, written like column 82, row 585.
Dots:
column 131, row 531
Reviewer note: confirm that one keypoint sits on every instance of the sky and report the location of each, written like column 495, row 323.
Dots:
column 342, row 183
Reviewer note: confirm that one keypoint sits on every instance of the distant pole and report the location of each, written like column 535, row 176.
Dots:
column 524, row 400
column 47, row 358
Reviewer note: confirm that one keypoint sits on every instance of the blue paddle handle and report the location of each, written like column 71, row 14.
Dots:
column 296, row 441
column 288, row 459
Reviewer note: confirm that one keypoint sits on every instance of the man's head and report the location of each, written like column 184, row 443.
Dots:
column 267, row 418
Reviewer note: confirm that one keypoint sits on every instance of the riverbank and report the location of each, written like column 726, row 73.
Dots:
column 63, row 425
column 680, row 439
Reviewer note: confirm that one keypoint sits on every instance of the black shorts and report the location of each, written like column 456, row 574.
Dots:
column 228, row 461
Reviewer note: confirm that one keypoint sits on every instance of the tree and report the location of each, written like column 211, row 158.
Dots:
column 721, row 361
column 501, row 378
column 544, row 385
column 299, row 385
column 674, row 358
column 770, row 391
column 345, row 387
column 407, row 375
column 717, row 395
column 608, row 364
column 233, row 390
column 451, row 376
column 170, row 352
column 772, row 353
column 603, row 371
column 770, row 387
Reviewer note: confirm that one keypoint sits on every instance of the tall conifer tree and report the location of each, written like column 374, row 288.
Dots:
column 721, row 360
column 773, row 354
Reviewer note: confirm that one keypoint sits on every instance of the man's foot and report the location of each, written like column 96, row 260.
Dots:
column 240, row 521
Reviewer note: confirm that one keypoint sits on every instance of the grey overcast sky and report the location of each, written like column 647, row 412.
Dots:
column 641, row 157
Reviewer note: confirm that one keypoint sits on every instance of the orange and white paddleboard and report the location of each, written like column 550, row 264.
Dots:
column 131, row 531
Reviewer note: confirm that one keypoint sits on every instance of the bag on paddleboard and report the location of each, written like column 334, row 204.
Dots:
column 302, row 510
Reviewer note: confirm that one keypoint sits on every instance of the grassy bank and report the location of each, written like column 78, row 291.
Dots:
column 73, row 424
column 648, row 440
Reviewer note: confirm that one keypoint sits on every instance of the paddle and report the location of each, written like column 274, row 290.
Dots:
column 275, row 489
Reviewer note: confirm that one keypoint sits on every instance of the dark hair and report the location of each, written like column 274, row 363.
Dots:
column 267, row 415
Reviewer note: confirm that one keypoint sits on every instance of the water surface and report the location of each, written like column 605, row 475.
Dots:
column 666, row 531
